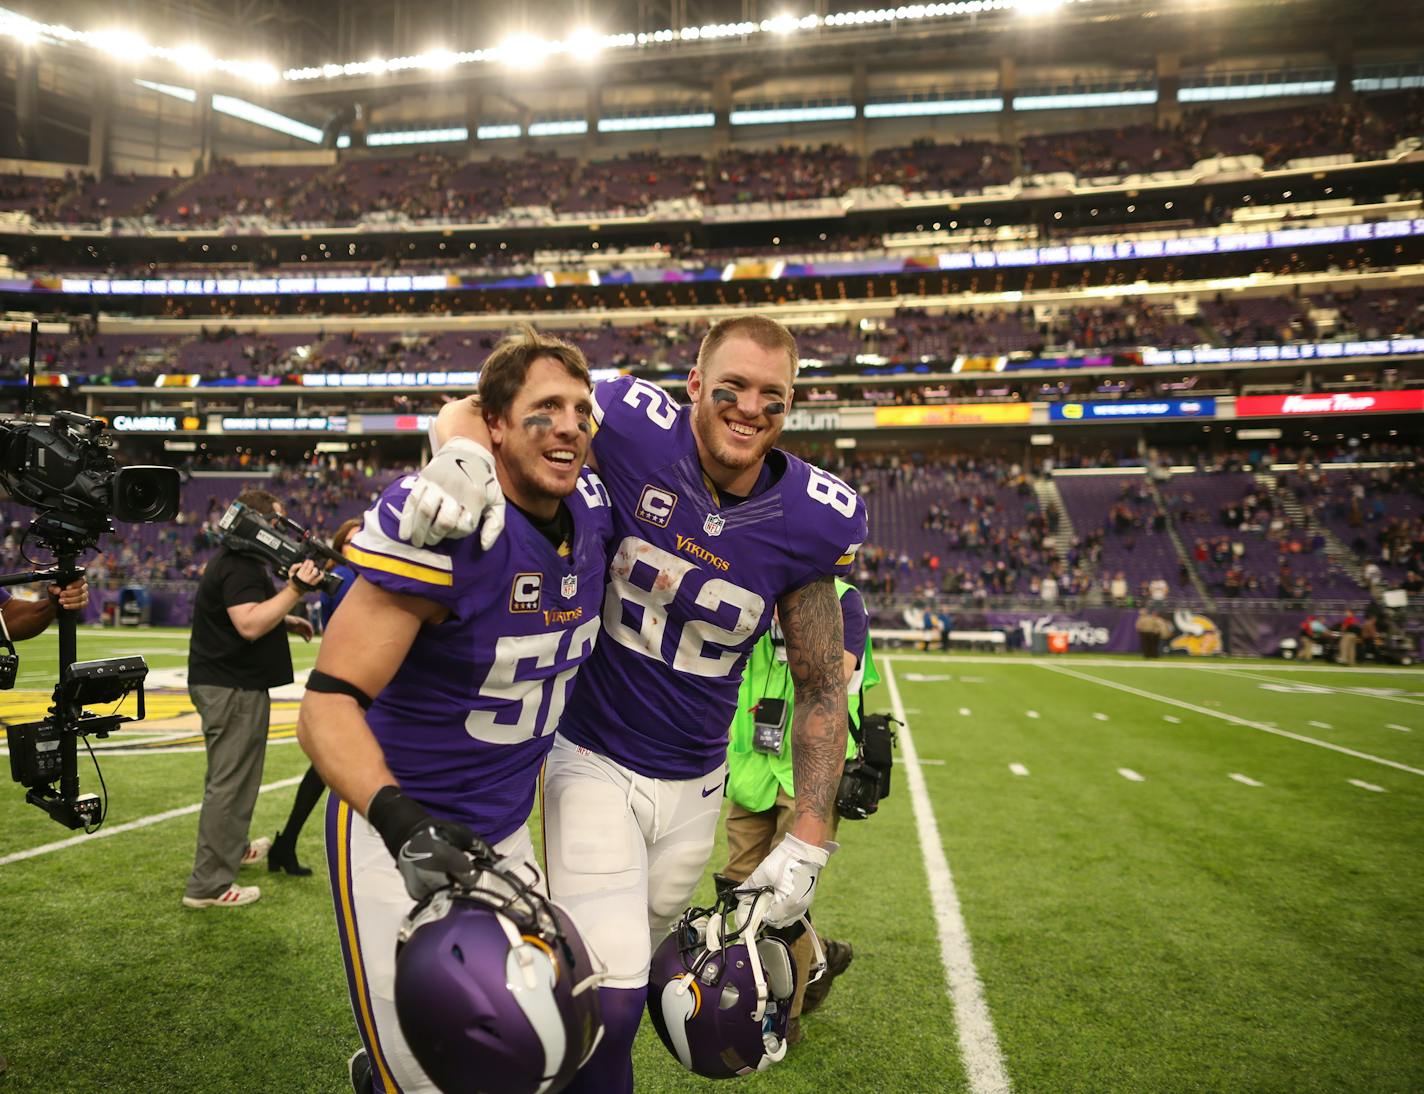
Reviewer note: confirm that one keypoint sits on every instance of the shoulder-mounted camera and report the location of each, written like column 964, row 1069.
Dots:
column 281, row 541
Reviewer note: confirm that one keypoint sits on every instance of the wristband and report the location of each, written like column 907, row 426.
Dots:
column 396, row 817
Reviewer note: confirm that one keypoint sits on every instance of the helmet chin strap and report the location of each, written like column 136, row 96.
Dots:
column 818, row 958
column 748, row 929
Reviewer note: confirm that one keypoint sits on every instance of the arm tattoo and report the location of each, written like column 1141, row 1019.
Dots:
column 814, row 629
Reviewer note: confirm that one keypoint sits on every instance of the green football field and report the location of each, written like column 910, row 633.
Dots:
column 1093, row 874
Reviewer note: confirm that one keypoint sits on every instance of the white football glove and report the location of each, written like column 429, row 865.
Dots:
column 456, row 491
column 790, row 871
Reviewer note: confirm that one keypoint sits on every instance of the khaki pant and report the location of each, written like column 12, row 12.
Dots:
column 750, row 838
column 235, row 724
column 1349, row 641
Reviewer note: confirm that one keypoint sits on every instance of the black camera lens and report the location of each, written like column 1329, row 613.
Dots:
column 144, row 495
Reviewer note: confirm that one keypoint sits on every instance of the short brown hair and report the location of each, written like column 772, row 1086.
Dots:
column 262, row 501
column 765, row 332
column 346, row 530
column 507, row 366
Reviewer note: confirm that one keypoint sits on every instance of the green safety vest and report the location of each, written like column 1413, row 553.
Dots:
column 754, row 777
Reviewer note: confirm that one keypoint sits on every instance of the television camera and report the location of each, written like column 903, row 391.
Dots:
column 64, row 469
column 281, row 541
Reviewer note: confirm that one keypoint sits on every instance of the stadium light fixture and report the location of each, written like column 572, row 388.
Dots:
column 526, row 50
column 186, row 94
column 585, row 45
column 193, row 59
column 523, row 49
column 268, row 119
column 121, row 45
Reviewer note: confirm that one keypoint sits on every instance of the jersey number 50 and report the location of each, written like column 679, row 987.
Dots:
column 647, row 579
column 536, row 691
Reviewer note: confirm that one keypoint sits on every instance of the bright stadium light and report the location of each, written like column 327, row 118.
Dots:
column 436, row 60
column 584, row 44
column 194, row 59
column 523, row 49
column 122, row 45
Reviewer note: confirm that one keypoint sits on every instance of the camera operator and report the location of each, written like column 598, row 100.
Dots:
column 27, row 618
column 759, row 775
column 238, row 652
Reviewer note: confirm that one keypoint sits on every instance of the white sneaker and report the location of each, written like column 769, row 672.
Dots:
column 256, row 850
column 236, row 895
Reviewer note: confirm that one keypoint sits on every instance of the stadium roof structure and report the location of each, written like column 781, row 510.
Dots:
column 304, row 49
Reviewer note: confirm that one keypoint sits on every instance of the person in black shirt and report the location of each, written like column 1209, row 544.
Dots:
column 238, row 651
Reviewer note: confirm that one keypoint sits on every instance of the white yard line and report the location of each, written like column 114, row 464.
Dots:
column 1245, row 780
column 978, row 1043
column 1131, row 775
column 1367, row 693
column 1367, row 786
column 142, row 822
column 1172, row 664
column 1018, row 769
column 1233, row 719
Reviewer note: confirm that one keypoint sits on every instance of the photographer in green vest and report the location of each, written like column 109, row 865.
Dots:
column 759, row 773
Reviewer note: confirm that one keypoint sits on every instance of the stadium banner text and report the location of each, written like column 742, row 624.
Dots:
column 155, row 423
column 756, row 270
column 1159, row 408
column 1356, row 402
column 954, row 414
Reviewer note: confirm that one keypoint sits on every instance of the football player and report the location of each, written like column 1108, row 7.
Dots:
column 714, row 527
column 442, row 676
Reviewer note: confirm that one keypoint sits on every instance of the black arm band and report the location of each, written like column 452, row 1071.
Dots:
column 334, row 685
column 396, row 817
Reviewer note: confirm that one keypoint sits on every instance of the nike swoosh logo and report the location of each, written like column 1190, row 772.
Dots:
column 461, row 465
column 406, row 856
column 711, row 790
column 393, row 511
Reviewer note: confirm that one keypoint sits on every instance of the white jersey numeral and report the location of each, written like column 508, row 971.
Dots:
column 699, row 632
column 535, row 695
column 661, row 410
column 829, row 490
column 592, row 490
column 650, row 590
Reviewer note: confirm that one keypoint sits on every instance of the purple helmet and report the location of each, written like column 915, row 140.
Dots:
column 720, row 990
column 495, row 989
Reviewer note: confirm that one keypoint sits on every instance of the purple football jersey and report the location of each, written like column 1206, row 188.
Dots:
column 466, row 721
column 691, row 585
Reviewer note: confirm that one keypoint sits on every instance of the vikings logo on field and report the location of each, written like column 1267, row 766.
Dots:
column 714, row 524
column 1198, row 635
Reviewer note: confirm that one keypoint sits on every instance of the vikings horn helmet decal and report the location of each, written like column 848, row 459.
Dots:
column 493, row 981
column 720, row 988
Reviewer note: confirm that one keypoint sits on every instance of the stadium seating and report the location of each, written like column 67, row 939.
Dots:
column 1119, row 521
column 1377, row 514
column 959, row 527
column 432, row 185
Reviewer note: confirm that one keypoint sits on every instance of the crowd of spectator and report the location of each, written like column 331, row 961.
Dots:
column 431, row 185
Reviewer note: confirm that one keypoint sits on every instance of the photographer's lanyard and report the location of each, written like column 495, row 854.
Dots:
column 769, row 711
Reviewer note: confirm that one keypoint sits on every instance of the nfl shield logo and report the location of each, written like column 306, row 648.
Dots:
column 569, row 586
column 714, row 524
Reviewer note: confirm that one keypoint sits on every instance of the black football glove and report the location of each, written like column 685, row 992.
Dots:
column 430, row 853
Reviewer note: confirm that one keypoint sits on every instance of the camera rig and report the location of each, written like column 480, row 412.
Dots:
column 63, row 468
